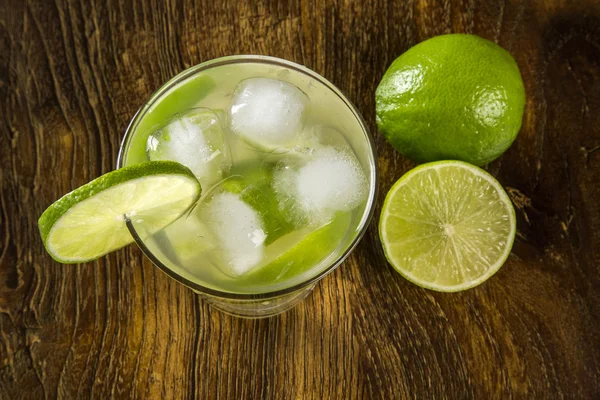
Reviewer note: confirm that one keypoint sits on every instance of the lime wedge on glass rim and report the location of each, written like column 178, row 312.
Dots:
column 447, row 226
column 90, row 221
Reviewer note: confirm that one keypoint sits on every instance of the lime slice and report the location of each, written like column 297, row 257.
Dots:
column 89, row 222
column 447, row 226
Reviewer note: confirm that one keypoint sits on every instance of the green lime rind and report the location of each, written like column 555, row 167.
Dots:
column 389, row 208
column 452, row 97
column 53, row 218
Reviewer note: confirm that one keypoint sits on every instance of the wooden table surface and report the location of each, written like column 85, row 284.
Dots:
column 74, row 72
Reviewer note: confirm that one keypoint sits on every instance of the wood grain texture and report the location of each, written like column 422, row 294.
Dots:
column 73, row 73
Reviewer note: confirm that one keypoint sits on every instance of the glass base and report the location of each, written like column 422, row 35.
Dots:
column 263, row 308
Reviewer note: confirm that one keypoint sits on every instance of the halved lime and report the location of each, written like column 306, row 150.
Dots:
column 89, row 222
column 447, row 226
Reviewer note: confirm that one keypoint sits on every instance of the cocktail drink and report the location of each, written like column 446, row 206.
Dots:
column 287, row 172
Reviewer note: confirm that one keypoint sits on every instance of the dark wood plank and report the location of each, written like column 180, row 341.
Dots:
column 74, row 72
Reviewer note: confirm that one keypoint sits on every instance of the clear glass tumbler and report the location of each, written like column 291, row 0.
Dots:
column 172, row 98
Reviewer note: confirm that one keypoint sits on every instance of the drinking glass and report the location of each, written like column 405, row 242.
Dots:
column 211, row 78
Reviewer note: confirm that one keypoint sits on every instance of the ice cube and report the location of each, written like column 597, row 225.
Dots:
column 194, row 139
column 239, row 233
column 331, row 180
column 268, row 113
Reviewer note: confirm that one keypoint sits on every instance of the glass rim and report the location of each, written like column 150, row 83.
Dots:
column 241, row 59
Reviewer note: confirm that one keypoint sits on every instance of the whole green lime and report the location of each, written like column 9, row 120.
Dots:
column 455, row 96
